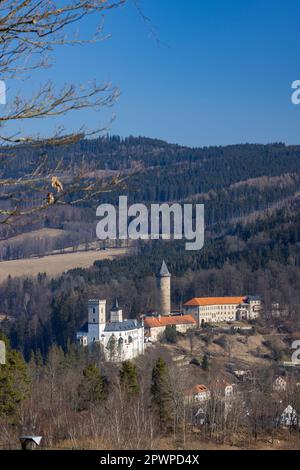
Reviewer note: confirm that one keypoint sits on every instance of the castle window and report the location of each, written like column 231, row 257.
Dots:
column 94, row 310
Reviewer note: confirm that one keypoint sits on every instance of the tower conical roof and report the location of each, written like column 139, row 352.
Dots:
column 164, row 272
column 115, row 306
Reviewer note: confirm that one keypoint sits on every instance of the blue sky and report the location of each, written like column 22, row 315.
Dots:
column 218, row 72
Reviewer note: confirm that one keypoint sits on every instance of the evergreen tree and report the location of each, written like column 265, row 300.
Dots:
column 160, row 390
column 205, row 363
column 14, row 381
column 129, row 379
column 171, row 334
column 111, row 347
column 92, row 390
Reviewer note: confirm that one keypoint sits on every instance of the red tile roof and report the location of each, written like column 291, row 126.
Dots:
column 155, row 322
column 202, row 301
column 199, row 388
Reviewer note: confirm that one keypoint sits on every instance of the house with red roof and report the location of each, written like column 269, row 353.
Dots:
column 198, row 394
column 155, row 325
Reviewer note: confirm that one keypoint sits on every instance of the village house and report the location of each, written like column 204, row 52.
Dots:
column 289, row 417
column 198, row 394
column 223, row 309
column 222, row 389
column 242, row 375
column 278, row 310
column 155, row 326
column 219, row 388
column 279, row 384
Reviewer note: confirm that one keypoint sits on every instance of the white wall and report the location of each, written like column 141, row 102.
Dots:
column 220, row 313
column 128, row 350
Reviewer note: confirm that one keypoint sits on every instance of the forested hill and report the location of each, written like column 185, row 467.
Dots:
column 114, row 153
column 233, row 181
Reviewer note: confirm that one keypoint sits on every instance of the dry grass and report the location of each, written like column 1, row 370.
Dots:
column 283, row 441
column 43, row 233
column 54, row 265
column 248, row 350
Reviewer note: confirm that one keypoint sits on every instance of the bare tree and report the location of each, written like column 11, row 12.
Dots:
column 30, row 32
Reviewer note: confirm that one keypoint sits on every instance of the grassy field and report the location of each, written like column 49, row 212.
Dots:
column 54, row 265
column 41, row 234
column 283, row 440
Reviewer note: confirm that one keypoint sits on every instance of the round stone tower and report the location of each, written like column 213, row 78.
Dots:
column 164, row 286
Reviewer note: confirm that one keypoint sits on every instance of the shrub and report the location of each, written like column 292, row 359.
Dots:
column 171, row 335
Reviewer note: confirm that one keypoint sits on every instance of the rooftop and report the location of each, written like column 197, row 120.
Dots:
column 115, row 306
column 83, row 328
column 164, row 272
column 253, row 297
column 203, row 301
column 125, row 325
column 154, row 322
column 199, row 388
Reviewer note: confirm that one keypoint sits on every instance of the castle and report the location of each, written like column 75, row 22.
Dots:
column 120, row 339
column 123, row 340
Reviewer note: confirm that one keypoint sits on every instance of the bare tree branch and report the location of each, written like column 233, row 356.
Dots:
column 30, row 31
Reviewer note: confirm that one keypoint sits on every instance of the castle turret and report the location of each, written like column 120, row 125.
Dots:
column 96, row 319
column 164, row 286
column 116, row 314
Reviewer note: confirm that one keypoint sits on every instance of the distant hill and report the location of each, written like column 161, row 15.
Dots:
column 233, row 181
column 237, row 183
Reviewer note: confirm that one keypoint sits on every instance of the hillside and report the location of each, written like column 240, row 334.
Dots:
column 252, row 238
column 237, row 183
column 252, row 246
